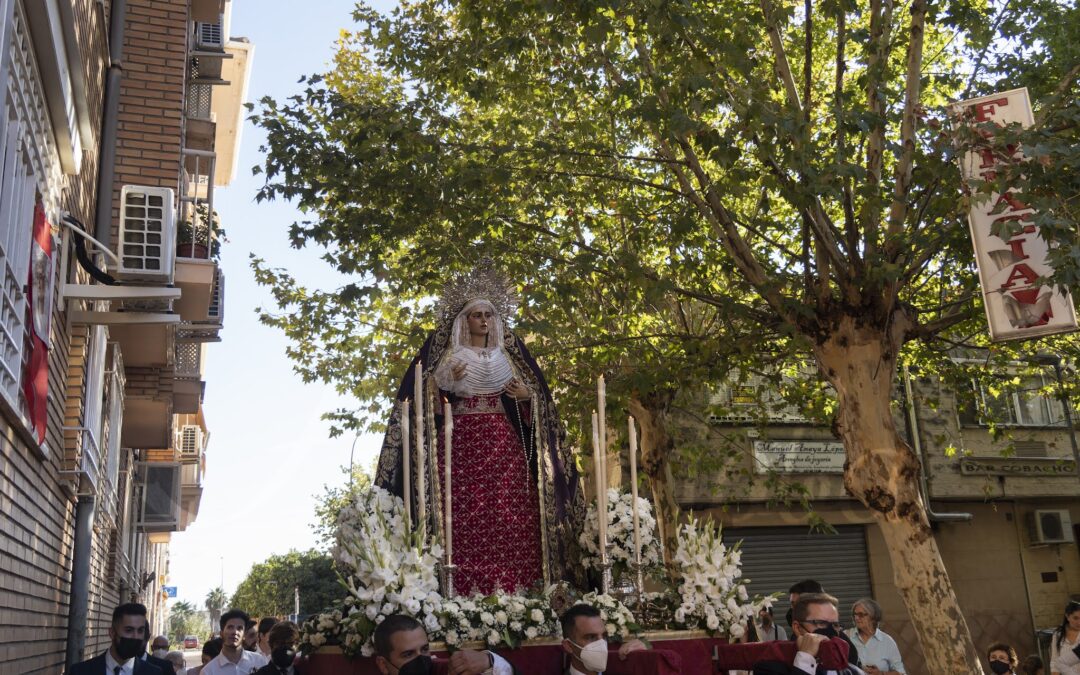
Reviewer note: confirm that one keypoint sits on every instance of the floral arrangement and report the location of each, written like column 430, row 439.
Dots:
column 711, row 596
column 386, row 570
column 497, row 619
column 620, row 532
column 618, row 620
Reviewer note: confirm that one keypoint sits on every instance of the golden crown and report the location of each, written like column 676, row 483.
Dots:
column 484, row 281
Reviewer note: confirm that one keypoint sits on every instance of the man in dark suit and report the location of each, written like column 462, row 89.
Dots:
column 128, row 633
column 815, row 619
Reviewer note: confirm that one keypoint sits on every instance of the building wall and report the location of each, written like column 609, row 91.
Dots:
column 1007, row 586
column 152, row 96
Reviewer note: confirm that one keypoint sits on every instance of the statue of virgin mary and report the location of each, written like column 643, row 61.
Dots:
column 517, row 506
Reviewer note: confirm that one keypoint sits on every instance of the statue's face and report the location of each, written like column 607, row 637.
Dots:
column 480, row 320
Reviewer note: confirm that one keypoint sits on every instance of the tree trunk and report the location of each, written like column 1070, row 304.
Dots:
column 882, row 472
column 651, row 413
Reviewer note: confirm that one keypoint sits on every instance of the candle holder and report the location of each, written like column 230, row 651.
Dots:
column 448, row 579
column 639, row 584
column 605, row 569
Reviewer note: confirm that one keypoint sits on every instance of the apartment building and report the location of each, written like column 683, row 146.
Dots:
column 1000, row 473
column 120, row 120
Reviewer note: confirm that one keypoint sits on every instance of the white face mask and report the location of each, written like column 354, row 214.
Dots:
column 160, row 653
column 593, row 655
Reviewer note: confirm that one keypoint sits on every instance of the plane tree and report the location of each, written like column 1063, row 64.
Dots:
column 786, row 170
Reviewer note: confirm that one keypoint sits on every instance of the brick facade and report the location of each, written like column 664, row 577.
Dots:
column 37, row 494
column 151, row 118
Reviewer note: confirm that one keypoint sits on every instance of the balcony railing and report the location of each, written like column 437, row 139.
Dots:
column 188, row 360
column 197, row 230
column 191, row 475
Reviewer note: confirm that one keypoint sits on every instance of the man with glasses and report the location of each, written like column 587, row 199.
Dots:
column 815, row 619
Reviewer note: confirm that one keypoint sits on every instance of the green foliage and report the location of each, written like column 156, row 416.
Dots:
column 185, row 619
column 333, row 499
column 680, row 191
column 215, row 604
column 267, row 590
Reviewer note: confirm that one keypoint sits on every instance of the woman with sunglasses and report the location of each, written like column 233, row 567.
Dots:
column 878, row 653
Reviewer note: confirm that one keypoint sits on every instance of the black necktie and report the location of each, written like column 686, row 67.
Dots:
column 117, row 670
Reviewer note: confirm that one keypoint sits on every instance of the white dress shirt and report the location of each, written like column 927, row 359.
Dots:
column 126, row 668
column 249, row 662
column 500, row 666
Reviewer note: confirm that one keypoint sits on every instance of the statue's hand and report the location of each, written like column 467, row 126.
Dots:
column 518, row 391
column 457, row 370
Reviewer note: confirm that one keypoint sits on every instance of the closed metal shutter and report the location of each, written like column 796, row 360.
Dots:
column 774, row 558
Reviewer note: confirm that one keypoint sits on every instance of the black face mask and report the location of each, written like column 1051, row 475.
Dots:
column 421, row 665
column 1000, row 667
column 282, row 657
column 827, row 631
column 129, row 648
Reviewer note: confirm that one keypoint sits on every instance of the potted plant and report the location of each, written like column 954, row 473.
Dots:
column 195, row 239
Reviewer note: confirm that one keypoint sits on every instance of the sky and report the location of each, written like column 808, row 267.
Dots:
column 269, row 453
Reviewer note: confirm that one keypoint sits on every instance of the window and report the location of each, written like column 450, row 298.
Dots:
column 161, row 497
column 745, row 400
column 29, row 169
column 1011, row 400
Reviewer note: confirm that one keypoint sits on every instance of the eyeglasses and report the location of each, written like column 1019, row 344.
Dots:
column 859, row 614
column 822, row 623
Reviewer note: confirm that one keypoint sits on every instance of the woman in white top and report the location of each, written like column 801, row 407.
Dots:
column 1063, row 661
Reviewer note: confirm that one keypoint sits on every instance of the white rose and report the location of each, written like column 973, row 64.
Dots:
column 737, row 631
column 531, row 632
column 371, row 611
column 493, row 638
column 452, row 637
column 501, row 617
column 487, row 618
column 536, row 615
column 431, row 623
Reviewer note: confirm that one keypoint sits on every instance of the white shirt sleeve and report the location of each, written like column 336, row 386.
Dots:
column 805, row 661
column 502, row 666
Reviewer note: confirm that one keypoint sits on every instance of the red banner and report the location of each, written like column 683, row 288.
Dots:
column 39, row 318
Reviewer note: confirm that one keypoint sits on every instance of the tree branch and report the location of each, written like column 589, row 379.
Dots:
column 903, row 171
column 808, row 64
column 877, row 64
column 783, row 68
column 851, row 227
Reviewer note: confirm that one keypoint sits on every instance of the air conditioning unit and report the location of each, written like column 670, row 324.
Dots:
column 1050, row 527
column 216, row 312
column 147, row 234
column 191, row 441
column 209, row 35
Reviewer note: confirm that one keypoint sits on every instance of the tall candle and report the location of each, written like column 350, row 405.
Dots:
column 421, row 486
column 406, row 450
column 601, row 395
column 448, row 438
column 601, row 493
column 633, row 490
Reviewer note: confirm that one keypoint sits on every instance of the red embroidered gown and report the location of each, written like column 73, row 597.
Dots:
column 496, row 516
